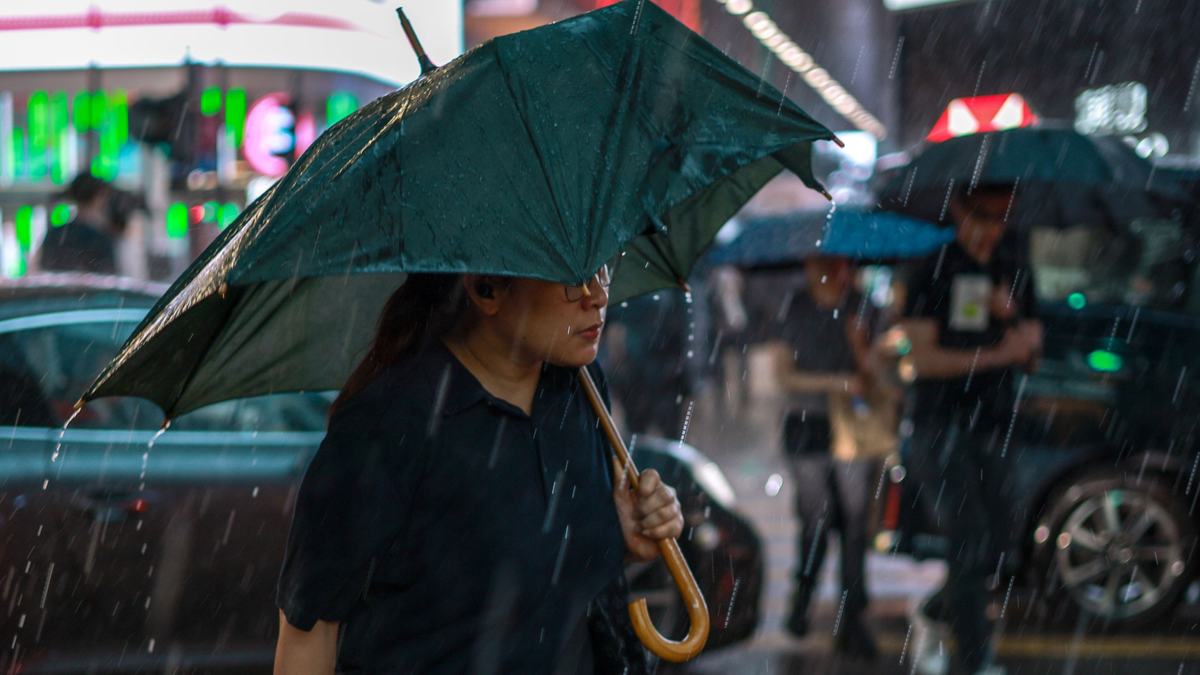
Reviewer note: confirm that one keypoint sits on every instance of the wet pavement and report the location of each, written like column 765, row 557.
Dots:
column 744, row 443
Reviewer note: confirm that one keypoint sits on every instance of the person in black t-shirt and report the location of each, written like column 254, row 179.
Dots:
column 971, row 317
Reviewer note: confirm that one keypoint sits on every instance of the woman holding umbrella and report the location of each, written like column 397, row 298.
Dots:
column 458, row 516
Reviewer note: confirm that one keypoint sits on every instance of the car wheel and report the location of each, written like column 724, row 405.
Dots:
column 1118, row 546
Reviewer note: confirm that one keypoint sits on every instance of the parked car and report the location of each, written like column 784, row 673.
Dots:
column 1104, row 436
column 124, row 547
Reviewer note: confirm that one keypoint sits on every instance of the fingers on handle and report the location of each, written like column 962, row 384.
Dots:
column 649, row 482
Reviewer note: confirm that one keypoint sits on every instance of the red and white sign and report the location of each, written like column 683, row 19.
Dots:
column 687, row 11
column 982, row 113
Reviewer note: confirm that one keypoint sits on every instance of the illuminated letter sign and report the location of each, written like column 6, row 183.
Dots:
column 269, row 134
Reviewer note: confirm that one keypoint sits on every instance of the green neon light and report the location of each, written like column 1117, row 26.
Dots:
column 235, row 113
column 177, row 220
column 210, row 101
column 39, row 127
column 60, row 215
column 23, row 220
column 81, row 111
column 1077, row 300
column 98, row 108
column 338, row 106
column 120, row 117
column 104, row 167
column 60, row 120
column 210, row 212
column 106, row 164
column 227, row 214
column 1105, row 361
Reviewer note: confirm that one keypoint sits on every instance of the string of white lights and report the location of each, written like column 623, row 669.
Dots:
column 761, row 26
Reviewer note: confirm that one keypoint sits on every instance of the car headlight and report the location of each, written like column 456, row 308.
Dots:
column 710, row 477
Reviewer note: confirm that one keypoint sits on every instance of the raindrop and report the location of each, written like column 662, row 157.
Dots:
column 158, row 433
column 904, row 649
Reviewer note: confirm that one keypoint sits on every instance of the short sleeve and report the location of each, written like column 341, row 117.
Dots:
column 919, row 302
column 1028, row 293
column 353, row 502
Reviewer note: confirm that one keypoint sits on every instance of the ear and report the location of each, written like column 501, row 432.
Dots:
column 485, row 292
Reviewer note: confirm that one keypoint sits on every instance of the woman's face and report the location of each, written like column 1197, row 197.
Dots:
column 543, row 325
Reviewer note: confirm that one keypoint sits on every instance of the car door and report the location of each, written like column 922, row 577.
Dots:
column 126, row 548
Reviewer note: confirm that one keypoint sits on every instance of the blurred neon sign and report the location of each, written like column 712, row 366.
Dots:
column 1115, row 109
column 273, row 130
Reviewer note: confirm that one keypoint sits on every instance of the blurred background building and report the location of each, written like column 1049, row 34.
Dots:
column 194, row 107
column 191, row 108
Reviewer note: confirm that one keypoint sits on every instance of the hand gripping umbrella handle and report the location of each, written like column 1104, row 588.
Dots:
column 668, row 650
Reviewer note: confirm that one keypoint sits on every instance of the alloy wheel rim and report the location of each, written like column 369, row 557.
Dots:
column 1118, row 553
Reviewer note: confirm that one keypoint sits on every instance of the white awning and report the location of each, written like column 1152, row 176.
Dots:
column 353, row 36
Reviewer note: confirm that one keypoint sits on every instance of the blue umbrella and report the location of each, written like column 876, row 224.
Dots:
column 789, row 239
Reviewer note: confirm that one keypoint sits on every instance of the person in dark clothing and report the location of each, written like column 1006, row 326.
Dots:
column 84, row 244
column 650, row 369
column 971, row 318
column 459, row 516
column 825, row 340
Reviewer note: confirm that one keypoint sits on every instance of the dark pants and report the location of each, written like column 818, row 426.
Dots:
column 958, row 456
column 830, row 495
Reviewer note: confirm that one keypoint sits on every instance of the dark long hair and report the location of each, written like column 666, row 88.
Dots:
column 423, row 309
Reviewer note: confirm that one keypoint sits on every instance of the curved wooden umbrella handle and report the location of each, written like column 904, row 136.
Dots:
column 668, row 650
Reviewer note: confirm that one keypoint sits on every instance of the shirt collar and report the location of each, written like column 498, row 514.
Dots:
column 463, row 390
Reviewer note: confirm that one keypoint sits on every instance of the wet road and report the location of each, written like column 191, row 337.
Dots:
column 746, row 447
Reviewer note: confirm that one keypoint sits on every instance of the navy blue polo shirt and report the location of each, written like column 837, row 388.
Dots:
column 448, row 531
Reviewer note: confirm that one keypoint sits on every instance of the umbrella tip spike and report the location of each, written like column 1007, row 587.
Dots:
column 684, row 285
column 426, row 65
column 825, row 192
column 839, row 142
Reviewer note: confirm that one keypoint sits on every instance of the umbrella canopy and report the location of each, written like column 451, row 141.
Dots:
column 540, row 154
column 789, row 239
column 1063, row 178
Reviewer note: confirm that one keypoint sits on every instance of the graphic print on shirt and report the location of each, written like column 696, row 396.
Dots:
column 970, row 295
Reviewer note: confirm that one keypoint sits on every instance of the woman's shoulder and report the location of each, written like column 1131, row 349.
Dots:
column 399, row 398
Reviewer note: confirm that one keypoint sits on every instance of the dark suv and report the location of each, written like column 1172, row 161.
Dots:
column 1105, row 433
column 122, row 549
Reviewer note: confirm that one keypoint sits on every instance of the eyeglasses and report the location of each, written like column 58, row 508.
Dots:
column 600, row 281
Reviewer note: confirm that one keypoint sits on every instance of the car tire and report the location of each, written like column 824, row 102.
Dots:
column 1116, row 546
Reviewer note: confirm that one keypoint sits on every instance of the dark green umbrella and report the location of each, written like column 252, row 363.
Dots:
column 540, row 154
column 1063, row 178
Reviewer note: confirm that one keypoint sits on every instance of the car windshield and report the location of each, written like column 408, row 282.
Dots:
column 46, row 369
column 1146, row 263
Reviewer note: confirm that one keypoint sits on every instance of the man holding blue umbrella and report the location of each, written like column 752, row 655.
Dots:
column 971, row 318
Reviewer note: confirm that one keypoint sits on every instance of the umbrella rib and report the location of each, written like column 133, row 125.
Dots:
column 666, row 267
column 537, row 150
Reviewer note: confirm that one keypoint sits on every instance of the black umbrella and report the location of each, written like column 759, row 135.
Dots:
column 1063, row 178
